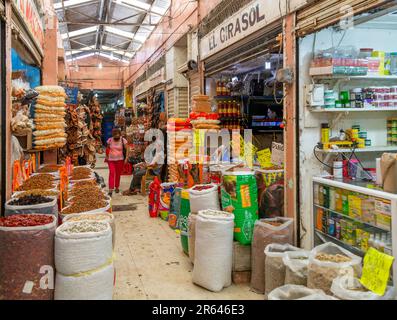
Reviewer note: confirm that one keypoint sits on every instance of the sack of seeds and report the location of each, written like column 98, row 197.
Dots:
column 82, row 246
column 329, row 261
column 274, row 265
column 107, row 217
column 350, row 288
column 297, row 292
column 32, row 204
column 296, row 263
column 267, row 231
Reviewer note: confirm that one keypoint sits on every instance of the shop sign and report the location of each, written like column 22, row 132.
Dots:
column 30, row 15
column 248, row 20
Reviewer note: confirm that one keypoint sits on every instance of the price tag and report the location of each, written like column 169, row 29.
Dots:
column 376, row 271
column 264, row 158
column 277, row 153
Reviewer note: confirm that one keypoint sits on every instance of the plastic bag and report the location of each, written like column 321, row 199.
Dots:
column 213, row 256
column 204, row 199
column 274, row 265
column 296, row 292
column 266, row 233
column 43, row 208
column 296, row 263
column 322, row 273
column 26, row 259
column 350, row 288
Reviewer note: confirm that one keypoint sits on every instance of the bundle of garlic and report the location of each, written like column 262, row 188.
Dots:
column 49, row 118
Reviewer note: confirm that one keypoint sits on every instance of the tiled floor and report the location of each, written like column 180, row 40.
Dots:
column 150, row 263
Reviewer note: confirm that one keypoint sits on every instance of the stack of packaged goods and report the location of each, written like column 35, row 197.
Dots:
column 49, row 118
column 179, row 144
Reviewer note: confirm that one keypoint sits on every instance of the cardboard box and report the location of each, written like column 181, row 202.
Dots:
column 383, row 221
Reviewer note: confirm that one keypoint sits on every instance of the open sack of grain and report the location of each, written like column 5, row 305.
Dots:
column 297, row 292
column 213, row 257
column 329, row 261
column 27, row 257
column 267, row 231
column 84, row 261
column 274, row 266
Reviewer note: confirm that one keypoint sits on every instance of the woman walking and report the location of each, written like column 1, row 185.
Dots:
column 115, row 159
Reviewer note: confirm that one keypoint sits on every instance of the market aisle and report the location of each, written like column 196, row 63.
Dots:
column 149, row 262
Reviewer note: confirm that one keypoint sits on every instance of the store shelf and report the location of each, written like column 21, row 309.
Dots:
column 353, row 219
column 326, row 238
column 326, row 73
column 362, row 150
column 342, row 110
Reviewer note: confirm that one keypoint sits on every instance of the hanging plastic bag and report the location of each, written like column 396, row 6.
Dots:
column 350, row 288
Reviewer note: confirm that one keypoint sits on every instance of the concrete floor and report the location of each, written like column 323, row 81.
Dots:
column 150, row 263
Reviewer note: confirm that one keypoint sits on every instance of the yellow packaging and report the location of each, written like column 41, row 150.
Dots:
column 355, row 205
column 383, row 221
column 381, row 55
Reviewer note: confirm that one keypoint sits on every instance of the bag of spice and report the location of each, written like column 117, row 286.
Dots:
column 296, row 263
column 27, row 257
column 274, row 265
column 297, row 292
column 350, row 288
column 329, row 261
column 267, row 231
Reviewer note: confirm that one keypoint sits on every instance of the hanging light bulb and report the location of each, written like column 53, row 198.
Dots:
column 100, row 65
column 111, row 56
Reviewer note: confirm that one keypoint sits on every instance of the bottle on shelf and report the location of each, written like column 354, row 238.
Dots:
column 218, row 88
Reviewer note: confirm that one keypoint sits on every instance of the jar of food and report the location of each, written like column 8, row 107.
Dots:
column 365, row 53
column 393, row 63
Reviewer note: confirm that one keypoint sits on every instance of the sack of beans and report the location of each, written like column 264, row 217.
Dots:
column 107, row 217
column 204, row 197
column 27, row 257
column 213, row 257
column 84, row 261
column 82, row 246
column 274, row 265
column 32, row 204
column 95, row 285
column 329, row 261
column 297, row 292
column 267, row 231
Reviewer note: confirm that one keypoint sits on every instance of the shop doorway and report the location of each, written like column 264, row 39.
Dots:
column 3, row 115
